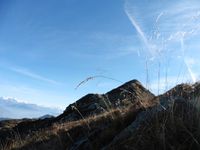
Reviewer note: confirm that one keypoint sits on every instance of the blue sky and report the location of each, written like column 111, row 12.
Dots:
column 48, row 47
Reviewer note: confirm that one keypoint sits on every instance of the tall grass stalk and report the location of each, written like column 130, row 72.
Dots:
column 94, row 77
column 74, row 108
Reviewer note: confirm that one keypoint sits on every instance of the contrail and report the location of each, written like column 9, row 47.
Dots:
column 186, row 62
column 33, row 75
column 138, row 29
column 159, row 16
column 190, row 71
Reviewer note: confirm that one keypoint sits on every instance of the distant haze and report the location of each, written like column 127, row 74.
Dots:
column 11, row 108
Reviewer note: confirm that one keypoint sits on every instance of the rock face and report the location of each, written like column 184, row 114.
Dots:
column 93, row 104
column 183, row 102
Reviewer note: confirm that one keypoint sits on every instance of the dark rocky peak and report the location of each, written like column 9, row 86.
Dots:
column 131, row 91
column 92, row 104
column 89, row 98
column 128, row 85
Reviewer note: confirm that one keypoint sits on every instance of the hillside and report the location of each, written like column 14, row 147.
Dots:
column 128, row 117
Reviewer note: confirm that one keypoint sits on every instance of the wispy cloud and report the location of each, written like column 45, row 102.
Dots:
column 190, row 63
column 28, row 94
column 110, row 46
column 33, row 75
column 136, row 26
column 26, row 72
column 161, row 27
column 12, row 108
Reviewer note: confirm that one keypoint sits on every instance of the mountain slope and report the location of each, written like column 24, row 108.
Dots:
column 139, row 120
column 120, row 97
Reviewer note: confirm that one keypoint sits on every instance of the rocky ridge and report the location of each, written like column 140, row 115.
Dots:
column 128, row 117
column 120, row 97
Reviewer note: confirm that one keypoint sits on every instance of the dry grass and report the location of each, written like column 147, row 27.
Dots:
column 173, row 128
column 117, row 117
column 177, row 128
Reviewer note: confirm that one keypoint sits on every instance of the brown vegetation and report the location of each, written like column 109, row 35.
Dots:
column 169, row 121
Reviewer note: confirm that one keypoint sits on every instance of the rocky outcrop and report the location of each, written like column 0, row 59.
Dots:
column 181, row 103
column 93, row 104
column 130, row 93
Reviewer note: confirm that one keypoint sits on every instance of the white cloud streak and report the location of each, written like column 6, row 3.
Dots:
column 136, row 26
column 189, row 62
column 171, row 23
column 159, row 16
column 33, row 75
